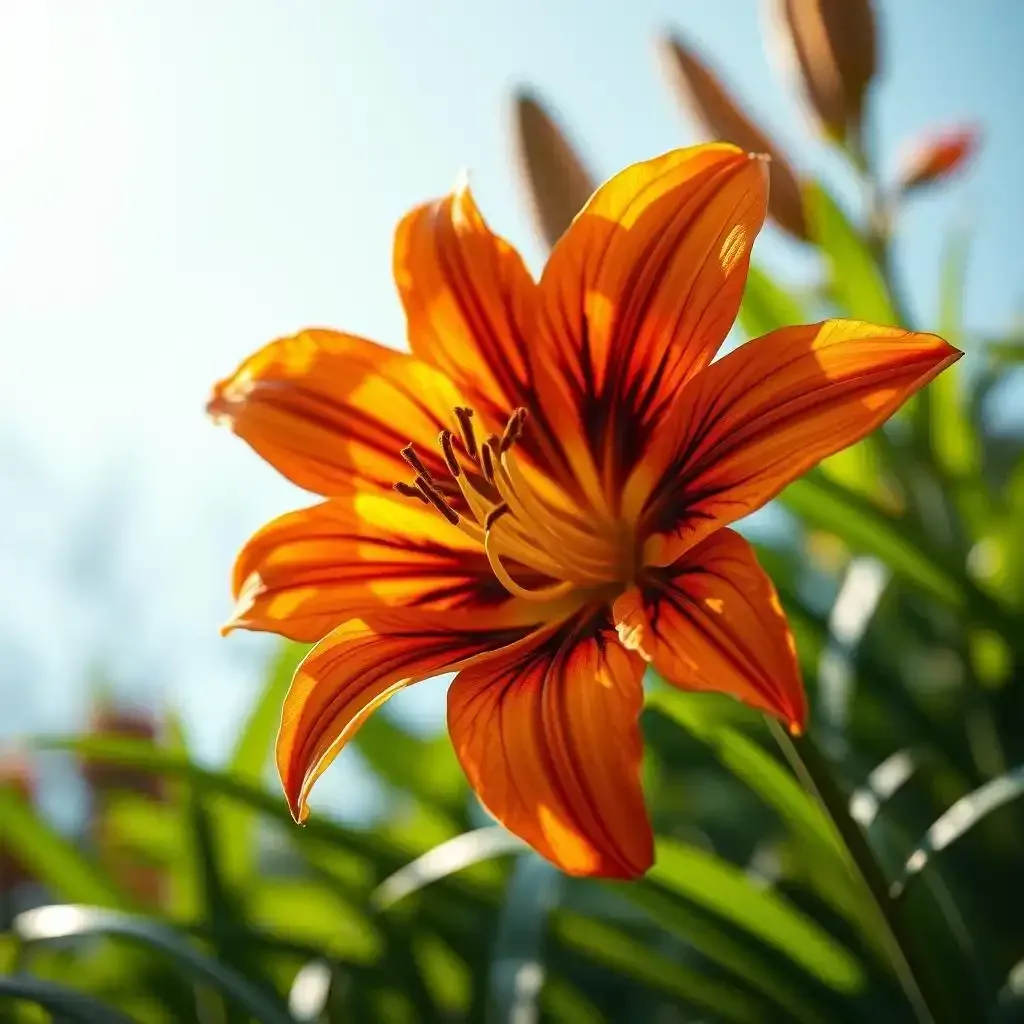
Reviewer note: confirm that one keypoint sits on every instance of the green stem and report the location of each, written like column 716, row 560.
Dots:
column 815, row 775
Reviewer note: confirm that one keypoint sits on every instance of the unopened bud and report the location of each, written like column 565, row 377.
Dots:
column 936, row 156
column 722, row 118
column 552, row 175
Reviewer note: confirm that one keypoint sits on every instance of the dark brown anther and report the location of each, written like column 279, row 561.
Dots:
column 513, row 430
column 465, row 418
column 437, row 501
column 409, row 454
column 445, row 437
column 494, row 515
column 408, row 491
column 487, row 463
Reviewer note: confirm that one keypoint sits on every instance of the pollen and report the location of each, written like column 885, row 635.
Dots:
column 494, row 500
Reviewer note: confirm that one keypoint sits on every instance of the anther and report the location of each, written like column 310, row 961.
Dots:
column 513, row 430
column 494, row 515
column 487, row 463
column 445, row 437
column 409, row 454
column 465, row 418
column 435, row 499
column 408, row 491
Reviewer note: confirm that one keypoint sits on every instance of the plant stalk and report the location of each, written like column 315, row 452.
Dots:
column 813, row 771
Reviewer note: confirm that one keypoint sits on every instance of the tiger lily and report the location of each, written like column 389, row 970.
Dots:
column 538, row 496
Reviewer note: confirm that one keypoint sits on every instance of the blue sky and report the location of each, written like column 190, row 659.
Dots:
column 180, row 183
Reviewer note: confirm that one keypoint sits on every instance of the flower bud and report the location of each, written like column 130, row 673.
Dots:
column 833, row 48
column 936, row 156
column 554, row 178
column 722, row 118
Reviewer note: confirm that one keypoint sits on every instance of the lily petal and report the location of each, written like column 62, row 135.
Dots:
column 469, row 301
column 327, row 409
column 643, row 288
column 766, row 413
column 548, row 737
column 363, row 662
column 308, row 571
column 714, row 623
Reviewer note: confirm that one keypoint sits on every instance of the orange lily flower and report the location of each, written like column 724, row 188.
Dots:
column 565, row 462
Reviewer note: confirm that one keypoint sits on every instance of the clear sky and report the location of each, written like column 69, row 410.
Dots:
column 181, row 182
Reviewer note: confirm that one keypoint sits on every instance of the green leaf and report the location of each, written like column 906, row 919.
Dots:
column 960, row 819
column 791, row 990
column 820, row 853
column 45, row 924
column 866, row 528
column 1008, row 351
column 517, row 959
column 702, row 878
column 66, row 1004
column 855, row 280
column 767, row 306
column 456, row 854
column 56, row 862
column 610, row 948
column 235, row 824
column 426, row 768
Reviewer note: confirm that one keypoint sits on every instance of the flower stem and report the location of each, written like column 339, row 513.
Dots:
column 814, row 774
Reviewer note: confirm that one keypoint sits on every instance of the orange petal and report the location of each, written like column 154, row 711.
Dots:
column 766, row 413
column 469, row 301
column 308, row 571
column 641, row 291
column 358, row 666
column 548, row 737
column 713, row 623
column 327, row 409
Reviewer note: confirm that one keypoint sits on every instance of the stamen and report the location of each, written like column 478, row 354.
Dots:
column 494, row 515
column 513, row 430
column 437, row 501
column 551, row 593
column 408, row 491
column 465, row 418
column 487, row 463
column 445, row 437
column 409, row 454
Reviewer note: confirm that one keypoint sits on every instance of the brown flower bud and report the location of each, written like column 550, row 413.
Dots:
column 832, row 45
column 937, row 155
column 109, row 721
column 722, row 118
column 554, row 178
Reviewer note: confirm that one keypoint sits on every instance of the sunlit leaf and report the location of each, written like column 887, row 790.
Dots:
column 457, row 854
column 723, row 889
column 66, row 1004
column 56, row 862
column 425, row 767
column 517, row 969
column 236, row 824
column 67, row 921
column 791, row 990
column 768, row 306
column 865, row 527
column 855, row 281
column 960, row 819
column 612, row 949
column 818, row 849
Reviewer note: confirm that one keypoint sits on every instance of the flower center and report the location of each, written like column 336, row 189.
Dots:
column 530, row 523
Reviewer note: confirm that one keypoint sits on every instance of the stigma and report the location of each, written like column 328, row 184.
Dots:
column 521, row 518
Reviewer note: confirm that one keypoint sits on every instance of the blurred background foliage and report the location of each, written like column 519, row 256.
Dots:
column 189, row 895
